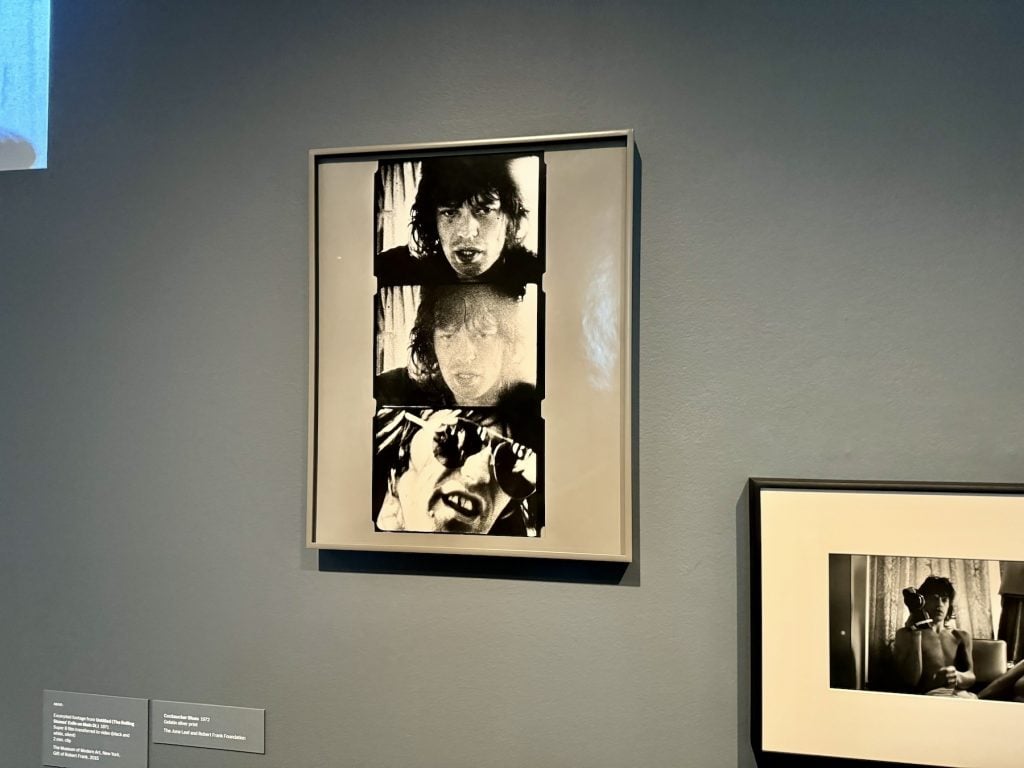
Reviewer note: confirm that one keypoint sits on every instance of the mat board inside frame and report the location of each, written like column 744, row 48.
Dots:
column 470, row 328
column 798, row 527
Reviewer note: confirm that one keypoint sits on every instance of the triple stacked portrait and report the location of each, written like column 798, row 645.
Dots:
column 458, row 437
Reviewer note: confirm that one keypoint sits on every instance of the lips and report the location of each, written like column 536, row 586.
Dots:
column 466, row 378
column 467, row 255
column 455, row 509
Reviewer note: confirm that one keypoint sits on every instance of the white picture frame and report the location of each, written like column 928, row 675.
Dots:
column 583, row 233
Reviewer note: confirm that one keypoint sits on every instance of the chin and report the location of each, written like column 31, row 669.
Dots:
column 466, row 270
column 459, row 526
column 474, row 398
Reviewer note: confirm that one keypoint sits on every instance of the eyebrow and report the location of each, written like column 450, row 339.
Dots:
column 489, row 197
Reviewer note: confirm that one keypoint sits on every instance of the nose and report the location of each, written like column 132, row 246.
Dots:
column 466, row 224
column 463, row 346
column 476, row 470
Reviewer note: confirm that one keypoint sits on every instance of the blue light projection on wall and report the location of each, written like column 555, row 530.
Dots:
column 24, row 83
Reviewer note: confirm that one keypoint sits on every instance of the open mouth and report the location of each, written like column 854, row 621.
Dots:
column 467, row 255
column 462, row 504
column 465, row 378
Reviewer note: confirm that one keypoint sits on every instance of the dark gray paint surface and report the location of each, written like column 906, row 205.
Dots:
column 214, row 726
column 95, row 730
column 829, row 286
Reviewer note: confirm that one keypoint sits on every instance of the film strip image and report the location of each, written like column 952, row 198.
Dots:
column 460, row 218
column 463, row 344
column 458, row 470
column 458, row 351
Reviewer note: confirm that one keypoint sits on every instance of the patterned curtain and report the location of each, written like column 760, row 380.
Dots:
column 396, row 313
column 396, row 192
column 887, row 613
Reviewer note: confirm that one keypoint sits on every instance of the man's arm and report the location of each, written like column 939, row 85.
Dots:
column 906, row 651
column 1002, row 687
column 965, row 677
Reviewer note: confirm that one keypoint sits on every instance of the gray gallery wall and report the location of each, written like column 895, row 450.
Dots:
column 830, row 285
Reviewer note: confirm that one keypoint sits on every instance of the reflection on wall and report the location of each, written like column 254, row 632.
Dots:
column 24, row 83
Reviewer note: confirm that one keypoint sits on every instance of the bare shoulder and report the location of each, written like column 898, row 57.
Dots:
column 904, row 634
column 963, row 636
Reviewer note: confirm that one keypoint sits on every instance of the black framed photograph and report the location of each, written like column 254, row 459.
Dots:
column 887, row 623
column 470, row 347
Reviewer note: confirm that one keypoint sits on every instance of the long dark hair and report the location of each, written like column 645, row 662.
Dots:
column 943, row 587
column 434, row 299
column 453, row 181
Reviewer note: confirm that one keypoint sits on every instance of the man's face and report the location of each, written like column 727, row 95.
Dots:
column 436, row 498
column 936, row 607
column 472, row 234
column 470, row 343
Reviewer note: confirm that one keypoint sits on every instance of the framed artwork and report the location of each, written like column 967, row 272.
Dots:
column 470, row 347
column 887, row 623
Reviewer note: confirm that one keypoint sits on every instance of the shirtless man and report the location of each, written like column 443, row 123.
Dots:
column 930, row 657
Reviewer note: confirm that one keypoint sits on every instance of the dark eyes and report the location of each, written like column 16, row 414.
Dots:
column 479, row 333
column 479, row 211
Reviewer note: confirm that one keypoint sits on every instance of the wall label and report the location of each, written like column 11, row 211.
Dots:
column 239, row 729
column 86, row 729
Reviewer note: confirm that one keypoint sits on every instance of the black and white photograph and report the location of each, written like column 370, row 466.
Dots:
column 457, row 344
column 457, row 438
column 471, row 362
column 458, row 471
column 886, row 622
column 459, row 218
column 930, row 626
